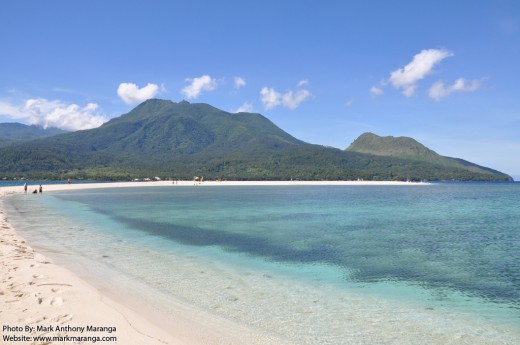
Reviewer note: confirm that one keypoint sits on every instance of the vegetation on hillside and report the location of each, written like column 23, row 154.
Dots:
column 183, row 140
column 13, row 133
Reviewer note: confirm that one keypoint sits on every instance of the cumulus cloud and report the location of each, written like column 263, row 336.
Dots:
column 45, row 113
column 245, row 108
column 290, row 99
column 406, row 78
column 239, row 82
column 439, row 90
column 376, row 91
column 11, row 111
column 132, row 94
column 422, row 65
column 197, row 85
column 270, row 98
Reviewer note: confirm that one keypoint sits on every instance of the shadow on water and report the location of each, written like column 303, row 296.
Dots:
column 461, row 237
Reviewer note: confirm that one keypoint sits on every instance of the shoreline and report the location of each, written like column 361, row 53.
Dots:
column 124, row 184
column 40, row 297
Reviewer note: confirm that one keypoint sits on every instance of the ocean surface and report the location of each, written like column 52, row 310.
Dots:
column 434, row 264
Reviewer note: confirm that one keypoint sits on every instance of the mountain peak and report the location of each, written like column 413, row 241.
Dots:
column 166, row 129
column 166, row 138
column 403, row 147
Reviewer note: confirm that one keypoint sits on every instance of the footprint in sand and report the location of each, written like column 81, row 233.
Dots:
column 56, row 301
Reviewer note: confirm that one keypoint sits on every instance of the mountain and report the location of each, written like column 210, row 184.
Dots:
column 166, row 129
column 182, row 140
column 402, row 147
column 16, row 132
column 409, row 148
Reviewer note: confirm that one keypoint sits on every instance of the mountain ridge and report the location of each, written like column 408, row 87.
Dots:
column 14, row 132
column 390, row 146
column 407, row 148
column 182, row 140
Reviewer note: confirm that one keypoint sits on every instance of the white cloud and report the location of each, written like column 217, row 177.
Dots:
column 197, row 85
column 406, row 78
column 245, row 108
column 439, row 91
column 132, row 94
column 291, row 99
column 45, row 113
column 10, row 111
column 376, row 91
column 270, row 98
column 350, row 102
column 239, row 82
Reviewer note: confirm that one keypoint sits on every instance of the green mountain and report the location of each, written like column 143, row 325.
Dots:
column 11, row 133
column 182, row 140
column 402, row 147
column 410, row 149
column 166, row 130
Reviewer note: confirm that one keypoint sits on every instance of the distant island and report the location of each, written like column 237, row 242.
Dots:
column 182, row 140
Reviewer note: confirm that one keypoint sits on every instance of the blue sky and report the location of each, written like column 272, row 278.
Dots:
column 443, row 72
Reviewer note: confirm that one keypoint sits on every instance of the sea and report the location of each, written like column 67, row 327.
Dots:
column 416, row 264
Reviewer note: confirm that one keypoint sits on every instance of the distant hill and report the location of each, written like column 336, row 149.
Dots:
column 16, row 132
column 182, row 140
column 409, row 148
column 402, row 147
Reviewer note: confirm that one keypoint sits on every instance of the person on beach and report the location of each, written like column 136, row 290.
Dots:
column 25, row 187
column 68, row 181
column 41, row 189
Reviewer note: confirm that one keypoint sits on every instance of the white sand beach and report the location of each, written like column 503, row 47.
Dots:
column 34, row 292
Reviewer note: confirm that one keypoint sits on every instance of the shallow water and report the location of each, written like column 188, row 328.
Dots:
column 317, row 265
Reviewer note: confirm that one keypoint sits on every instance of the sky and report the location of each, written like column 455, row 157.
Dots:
column 445, row 73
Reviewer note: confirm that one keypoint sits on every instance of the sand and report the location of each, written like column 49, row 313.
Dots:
column 40, row 298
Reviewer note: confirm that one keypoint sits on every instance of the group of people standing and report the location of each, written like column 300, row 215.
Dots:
column 38, row 190
column 35, row 191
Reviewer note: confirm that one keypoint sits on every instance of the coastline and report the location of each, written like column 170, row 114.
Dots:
column 36, row 293
column 38, row 297
column 94, row 185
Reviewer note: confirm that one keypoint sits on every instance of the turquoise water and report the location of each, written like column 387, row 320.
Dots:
column 309, row 262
